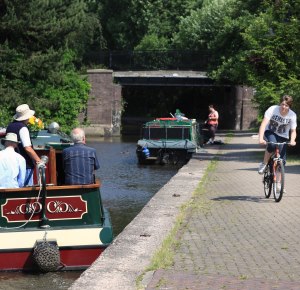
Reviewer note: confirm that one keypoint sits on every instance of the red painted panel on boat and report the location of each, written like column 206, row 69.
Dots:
column 15, row 261
column 59, row 207
column 79, row 257
column 70, row 259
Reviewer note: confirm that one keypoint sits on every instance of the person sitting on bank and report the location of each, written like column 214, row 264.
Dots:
column 79, row 161
column 12, row 164
column 19, row 127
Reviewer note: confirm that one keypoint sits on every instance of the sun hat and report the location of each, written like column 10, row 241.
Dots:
column 12, row 137
column 23, row 112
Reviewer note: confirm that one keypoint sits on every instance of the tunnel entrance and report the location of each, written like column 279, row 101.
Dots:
column 145, row 103
column 121, row 101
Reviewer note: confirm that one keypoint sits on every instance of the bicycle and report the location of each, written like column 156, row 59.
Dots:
column 274, row 174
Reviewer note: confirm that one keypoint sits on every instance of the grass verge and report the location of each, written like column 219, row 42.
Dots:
column 164, row 256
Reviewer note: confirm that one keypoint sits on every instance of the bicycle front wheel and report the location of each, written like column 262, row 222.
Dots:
column 268, row 181
column 278, row 181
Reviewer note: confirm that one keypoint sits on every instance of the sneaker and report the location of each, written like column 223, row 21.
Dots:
column 262, row 168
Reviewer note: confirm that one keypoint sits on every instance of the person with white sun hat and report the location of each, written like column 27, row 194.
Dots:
column 12, row 164
column 19, row 127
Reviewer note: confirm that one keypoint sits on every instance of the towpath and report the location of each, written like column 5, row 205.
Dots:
column 232, row 237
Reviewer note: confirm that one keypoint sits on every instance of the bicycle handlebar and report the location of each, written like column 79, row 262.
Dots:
column 278, row 143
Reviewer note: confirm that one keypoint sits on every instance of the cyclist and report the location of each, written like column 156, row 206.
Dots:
column 279, row 124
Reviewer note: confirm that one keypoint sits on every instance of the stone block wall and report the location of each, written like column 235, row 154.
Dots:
column 245, row 110
column 103, row 113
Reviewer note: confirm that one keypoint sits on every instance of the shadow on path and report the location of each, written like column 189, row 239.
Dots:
column 241, row 198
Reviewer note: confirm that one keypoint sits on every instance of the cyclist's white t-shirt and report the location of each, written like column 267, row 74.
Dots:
column 280, row 125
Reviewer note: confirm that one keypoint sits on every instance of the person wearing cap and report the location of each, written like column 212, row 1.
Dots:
column 19, row 127
column 12, row 164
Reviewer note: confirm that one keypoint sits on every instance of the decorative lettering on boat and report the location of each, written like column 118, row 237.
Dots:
column 57, row 208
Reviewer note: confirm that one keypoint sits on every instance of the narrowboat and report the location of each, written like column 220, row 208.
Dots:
column 168, row 140
column 52, row 226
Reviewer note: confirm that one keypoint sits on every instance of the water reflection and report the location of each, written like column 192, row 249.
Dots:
column 126, row 188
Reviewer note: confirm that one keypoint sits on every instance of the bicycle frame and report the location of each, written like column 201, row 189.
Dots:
column 276, row 173
column 275, row 159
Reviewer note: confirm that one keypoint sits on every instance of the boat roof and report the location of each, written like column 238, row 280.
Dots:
column 170, row 122
column 44, row 139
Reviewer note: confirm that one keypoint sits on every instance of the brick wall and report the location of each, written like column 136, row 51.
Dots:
column 246, row 111
column 103, row 111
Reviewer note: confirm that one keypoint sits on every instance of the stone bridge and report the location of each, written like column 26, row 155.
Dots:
column 103, row 113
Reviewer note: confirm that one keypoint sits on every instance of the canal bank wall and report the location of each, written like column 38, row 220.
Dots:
column 231, row 237
column 132, row 250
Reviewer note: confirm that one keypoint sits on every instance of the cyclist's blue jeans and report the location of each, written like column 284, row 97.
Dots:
column 272, row 137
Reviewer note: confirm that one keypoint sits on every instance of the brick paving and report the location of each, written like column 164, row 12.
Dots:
column 233, row 237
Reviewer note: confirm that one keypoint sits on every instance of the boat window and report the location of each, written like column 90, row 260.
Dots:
column 178, row 133
column 166, row 133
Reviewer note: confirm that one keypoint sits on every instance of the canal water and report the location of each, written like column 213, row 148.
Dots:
column 126, row 188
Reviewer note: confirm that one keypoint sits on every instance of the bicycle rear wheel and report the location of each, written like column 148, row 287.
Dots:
column 278, row 181
column 268, row 181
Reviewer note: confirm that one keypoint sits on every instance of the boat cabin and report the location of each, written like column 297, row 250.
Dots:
column 50, row 221
column 168, row 141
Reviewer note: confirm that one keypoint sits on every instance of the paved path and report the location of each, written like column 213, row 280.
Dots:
column 132, row 250
column 233, row 237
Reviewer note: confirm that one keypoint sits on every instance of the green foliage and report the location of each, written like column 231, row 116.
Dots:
column 64, row 98
column 5, row 116
column 65, row 105
column 123, row 29
column 138, row 19
column 201, row 29
column 49, row 84
column 164, row 16
column 254, row 43
column 152, row 42
column 38, row 49
column 39, row 24
column 272, row 61
column 189, row 32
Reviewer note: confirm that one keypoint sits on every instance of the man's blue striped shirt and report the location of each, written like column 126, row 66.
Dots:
column 80, row 162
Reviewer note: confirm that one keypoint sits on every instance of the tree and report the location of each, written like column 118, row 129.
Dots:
column 138, row 20
column 268, row 59
column 273, row 60
column 38, row 48
column 254, row 43
column 121, row 28
column 163, row 18
column 216, row 26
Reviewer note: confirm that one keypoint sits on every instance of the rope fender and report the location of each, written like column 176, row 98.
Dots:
column 46, row 256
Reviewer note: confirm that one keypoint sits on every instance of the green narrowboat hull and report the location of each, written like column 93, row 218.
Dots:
column 52, row 226
column 168, row 140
